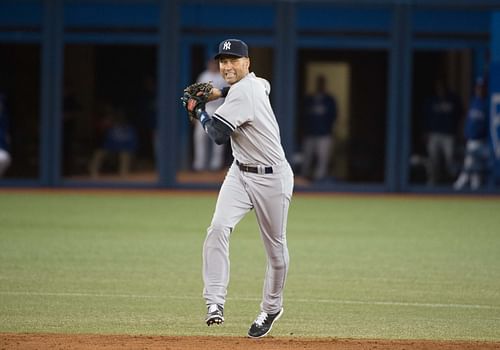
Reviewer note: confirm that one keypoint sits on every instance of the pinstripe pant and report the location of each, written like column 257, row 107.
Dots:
column 269, row 195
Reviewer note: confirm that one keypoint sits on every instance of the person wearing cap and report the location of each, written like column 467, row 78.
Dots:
column 5, row 157
column 442, row 113
column 259, row 179
column 320, row 114
column 476, row 135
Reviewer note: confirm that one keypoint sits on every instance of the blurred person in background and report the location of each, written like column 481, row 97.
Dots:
column 206, row 154
column 476, row 135
column 119, row 138
column 5, row 158
column 442, row 113
column 319, row 117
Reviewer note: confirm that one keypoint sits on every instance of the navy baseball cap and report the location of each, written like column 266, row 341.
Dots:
column 232, row 47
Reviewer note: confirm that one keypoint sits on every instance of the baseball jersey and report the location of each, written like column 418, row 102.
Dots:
column 321, row 112
column 443, row 114
column 476, row 124
column 121, row 138
column 247, row 111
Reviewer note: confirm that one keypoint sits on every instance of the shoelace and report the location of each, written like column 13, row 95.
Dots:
column 261, row 318
column 213, row 308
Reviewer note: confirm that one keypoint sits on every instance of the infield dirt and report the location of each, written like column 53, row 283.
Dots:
column 87, row 342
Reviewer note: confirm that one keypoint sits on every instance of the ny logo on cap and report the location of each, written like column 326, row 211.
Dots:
column 227, row 45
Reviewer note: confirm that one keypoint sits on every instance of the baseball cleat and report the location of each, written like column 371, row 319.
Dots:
column 215, row 314
column 263, row 324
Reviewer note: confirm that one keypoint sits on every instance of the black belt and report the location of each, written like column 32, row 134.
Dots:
column 254, row 169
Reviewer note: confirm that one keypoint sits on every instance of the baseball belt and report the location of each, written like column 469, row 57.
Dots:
column 255, row 169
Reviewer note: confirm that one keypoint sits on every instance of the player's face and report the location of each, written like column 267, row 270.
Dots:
column 233, row 69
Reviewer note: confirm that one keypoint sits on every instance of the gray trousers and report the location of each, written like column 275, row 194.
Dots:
column 438, row 144
column 319, row 147
column 269, row 195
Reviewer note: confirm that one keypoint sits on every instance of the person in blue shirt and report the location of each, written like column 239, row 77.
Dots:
column 120, row 138
column 476, row 135
column 319, row 118
column 5, row 157
column 442, row 113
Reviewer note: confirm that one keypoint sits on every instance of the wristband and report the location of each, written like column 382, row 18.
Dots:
column 203, row 118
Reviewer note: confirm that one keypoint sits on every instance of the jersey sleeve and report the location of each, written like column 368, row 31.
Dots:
column 236, row 109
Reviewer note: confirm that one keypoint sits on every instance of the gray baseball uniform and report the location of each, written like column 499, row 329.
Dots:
column 260, row 178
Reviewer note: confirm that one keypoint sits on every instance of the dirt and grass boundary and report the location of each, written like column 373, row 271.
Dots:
column 93, row 341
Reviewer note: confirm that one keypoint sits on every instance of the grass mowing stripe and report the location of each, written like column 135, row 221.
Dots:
column 290, row 300
column 361, row 266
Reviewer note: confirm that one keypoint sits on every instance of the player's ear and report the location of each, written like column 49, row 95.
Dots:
column 248, row 62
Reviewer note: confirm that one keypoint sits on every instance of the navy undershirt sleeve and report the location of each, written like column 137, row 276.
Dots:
column 216, row 130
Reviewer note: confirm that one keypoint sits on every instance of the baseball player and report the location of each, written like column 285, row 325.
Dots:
column 260, row 178
column 476, row 133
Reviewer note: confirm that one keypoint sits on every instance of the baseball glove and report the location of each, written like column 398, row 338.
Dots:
column 195, row 97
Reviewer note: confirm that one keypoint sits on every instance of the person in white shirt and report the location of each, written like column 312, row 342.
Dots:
column 208, row 155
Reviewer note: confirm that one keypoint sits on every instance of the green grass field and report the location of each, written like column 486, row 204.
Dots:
column 361, row 266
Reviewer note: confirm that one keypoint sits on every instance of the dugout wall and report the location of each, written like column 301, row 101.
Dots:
column 70, row 68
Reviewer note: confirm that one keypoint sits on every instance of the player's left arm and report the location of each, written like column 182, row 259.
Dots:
column 194, row 100
column 217, row 130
